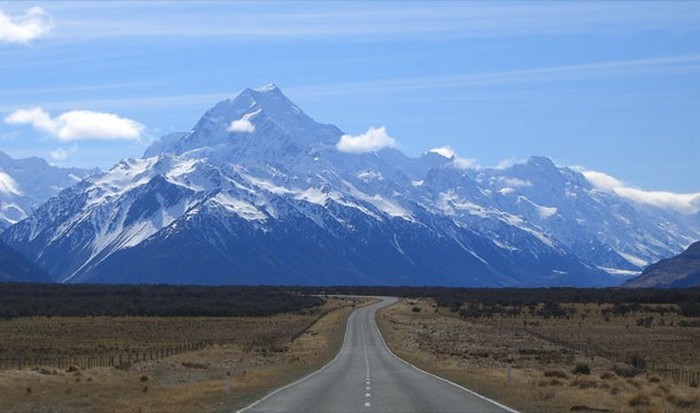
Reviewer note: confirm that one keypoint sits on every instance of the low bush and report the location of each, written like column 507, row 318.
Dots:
column 626, row 372
column 556, row 373
column 581, row 368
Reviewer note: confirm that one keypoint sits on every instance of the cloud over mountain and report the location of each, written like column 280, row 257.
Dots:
column 684, row 203
column 371, row 141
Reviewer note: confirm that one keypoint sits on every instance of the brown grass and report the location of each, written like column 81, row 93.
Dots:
column 479, row 354
column 263, row 354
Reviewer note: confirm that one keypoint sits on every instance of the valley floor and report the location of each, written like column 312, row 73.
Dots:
column 528, row 362
column 263, row 353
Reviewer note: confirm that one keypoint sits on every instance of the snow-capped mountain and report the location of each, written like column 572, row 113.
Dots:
column 258, row 193
column 27, row 183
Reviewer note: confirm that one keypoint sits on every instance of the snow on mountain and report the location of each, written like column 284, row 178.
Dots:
column 258, row 193
column 26, row 183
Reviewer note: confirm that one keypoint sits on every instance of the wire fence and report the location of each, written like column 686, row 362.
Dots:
column 674, row 372
column 121, row 360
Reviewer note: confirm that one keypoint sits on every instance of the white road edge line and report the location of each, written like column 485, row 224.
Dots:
column 374, row 321
column 308, row 376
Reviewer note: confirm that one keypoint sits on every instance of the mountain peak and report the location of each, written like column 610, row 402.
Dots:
column 541, row 162
column 260, row 120
column 270, row 87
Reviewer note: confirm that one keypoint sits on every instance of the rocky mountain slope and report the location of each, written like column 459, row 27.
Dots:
column 14, row 267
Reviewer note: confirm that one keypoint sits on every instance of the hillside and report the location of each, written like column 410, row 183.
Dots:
column 680, row 271
column 14, row 267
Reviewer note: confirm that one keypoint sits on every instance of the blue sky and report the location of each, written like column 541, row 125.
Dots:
column 611, row 86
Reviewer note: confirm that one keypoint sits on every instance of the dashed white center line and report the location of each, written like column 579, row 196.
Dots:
column 367, row 387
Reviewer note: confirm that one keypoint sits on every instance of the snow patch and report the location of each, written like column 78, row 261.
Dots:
column 633, row 260
column 515, row 182
column 369, row 175
column 123, row 177
column 619, row 272
column 506, row 191
column 546, row 212
column 241, row 208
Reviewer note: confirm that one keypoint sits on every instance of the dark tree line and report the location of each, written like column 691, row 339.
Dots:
column 22, row 300
column 29, row 300
column 624, row 299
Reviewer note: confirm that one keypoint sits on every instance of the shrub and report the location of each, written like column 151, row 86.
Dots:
column 607, row 375
column 638, row 362
column 691, row 323
column 690, row 309
column 581, row 368
column 415, row 309
column 626, row 371
column 556, row 373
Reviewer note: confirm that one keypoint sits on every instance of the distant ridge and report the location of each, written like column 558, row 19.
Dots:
column 27, row 183
column 681, row 271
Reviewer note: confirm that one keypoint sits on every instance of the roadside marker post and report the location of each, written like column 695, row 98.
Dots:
column 229, row 381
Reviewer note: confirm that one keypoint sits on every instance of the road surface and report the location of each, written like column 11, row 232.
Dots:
column 366, row 377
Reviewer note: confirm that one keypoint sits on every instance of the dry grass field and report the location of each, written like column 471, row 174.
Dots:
column 540, row 364
column 262, row 352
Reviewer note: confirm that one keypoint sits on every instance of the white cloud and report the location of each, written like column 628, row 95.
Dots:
column 507, row 163
column 371, row 141
column 61, row 154
column 33, row 24
column 683, row 203
column 243, row 125
column 457, row 161
column 79, row 124
column 444, row 151
column 464, row 163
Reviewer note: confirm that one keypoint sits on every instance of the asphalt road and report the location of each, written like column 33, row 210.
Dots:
column 367, row 377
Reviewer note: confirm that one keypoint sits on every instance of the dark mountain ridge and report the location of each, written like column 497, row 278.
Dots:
column 681, row 271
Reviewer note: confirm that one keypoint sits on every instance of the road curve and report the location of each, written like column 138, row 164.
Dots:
column 367, row 377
